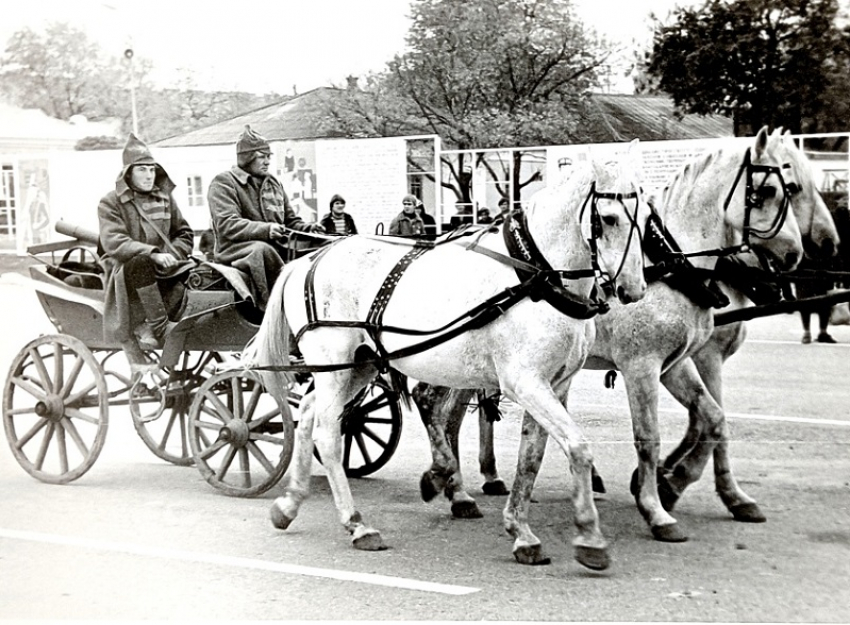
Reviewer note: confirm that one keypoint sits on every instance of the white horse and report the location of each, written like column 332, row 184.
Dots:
column 528, row 348
column 705, row 207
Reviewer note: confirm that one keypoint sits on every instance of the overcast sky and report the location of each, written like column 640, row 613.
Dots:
column 272, row 45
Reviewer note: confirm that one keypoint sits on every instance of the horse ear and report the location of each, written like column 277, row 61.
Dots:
column 761, row 141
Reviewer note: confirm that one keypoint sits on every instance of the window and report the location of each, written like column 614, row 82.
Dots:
column 196, row 191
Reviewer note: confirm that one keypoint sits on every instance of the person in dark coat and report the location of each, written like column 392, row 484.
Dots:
column 251, row 214
column 144, row 246
column 428, row 221
column 338, row 221
column 407, row 223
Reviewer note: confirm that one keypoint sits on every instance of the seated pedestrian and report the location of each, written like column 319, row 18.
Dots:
column 251, row 214
column 338, row 221
column 145, row 244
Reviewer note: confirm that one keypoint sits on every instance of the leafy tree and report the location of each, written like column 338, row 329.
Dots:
column 774, row 62
column 59, row 71
column 480, row 74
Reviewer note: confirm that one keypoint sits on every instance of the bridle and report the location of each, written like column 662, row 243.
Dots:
column 605, row 279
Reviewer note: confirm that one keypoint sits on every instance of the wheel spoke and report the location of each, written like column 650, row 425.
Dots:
column 267, row 438
column 236, row 387
column 63, row 450
column 261, row 421
column 225, row 464
column 245, row 467
column 35, row 429
column 212, row 450
column 75, row 436
column 260, row 456
column 30, row 386
column 41, row 368
column 45, row 444
column 58, row 366
column 72, row 377
column 253, row 400
column 220, row 406
column 79, row 395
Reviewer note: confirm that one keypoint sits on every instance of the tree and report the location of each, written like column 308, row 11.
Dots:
column 480, row 74
column 61, row 72
column 773, row 62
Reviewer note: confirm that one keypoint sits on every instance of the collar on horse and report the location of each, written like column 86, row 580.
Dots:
column 547, row 284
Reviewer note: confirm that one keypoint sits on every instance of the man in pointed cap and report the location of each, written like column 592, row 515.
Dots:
column 251, row 214
column 145, row 245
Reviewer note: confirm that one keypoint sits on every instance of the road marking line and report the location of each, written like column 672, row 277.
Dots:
column 781, row 342
column 248, row 563
column 733, row 415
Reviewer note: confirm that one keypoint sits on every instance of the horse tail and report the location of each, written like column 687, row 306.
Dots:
column 270, row 346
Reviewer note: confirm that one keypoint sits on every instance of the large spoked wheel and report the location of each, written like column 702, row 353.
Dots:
column 371, row 430
column 55, row 408
column 160, row 404
column 241, row 437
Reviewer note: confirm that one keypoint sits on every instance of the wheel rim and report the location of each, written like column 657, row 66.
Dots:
column 55, row 408
column 160, row 406
column 241, row 438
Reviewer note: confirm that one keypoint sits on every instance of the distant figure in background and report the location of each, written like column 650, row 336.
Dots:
column 338, row 221
column 145, row 245
column 504, row 208
column 813, row 288
column 462, row 216
column 484, row 215
column 407, row 223
column 428, row 220
column 250, row 215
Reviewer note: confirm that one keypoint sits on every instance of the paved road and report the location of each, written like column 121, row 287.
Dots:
column 138, row 538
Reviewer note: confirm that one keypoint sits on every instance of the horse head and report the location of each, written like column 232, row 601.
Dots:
column 612, row 223
column 820, row 237
column 757, row 206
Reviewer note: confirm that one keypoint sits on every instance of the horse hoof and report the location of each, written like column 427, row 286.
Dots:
column 495, row 489
column 598, row 485
column 671, row 533
column 427, row 488
column 370, row 541
column 593, row 558
column 279, row 519
column 748, row 513
column 466, row 510
column 531, row 554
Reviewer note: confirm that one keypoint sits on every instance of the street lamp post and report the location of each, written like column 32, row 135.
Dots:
column 128, row 54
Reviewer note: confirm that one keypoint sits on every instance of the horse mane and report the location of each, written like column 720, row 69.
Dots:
column 685, row 178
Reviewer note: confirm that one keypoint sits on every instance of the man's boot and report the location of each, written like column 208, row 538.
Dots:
column 156, row 317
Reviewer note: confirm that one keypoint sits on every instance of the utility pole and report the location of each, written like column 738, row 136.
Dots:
column 128, row 54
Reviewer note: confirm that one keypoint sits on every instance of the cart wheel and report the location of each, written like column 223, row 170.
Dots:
column 241, row 437
column 56, row 408
column 371, row 430
column 160, row 402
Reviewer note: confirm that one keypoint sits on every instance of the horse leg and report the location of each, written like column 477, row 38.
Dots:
column 285, row 509
column 539, row 399
column 527, row 547
column 442, row 411
column 642, row 389
column 488, row 414
column 744, row 508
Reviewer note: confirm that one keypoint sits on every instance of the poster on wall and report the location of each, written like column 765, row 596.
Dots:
column 297, row 174
column 33, row 212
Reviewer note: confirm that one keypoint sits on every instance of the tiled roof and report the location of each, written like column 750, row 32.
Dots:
column 652, row 118
column 614, row 118
column 288, row 119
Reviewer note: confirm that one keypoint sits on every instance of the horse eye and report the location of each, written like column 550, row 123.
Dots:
column 609, row 220
column 793, row 188
column 767, row 192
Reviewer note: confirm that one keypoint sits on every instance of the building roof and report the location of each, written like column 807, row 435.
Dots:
column 615, row 118
column 33, row 127
column 290, row 119
column 653, row 118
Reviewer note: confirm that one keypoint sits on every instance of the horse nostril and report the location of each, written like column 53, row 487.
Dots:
column 623, row 296
column 791, row 260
